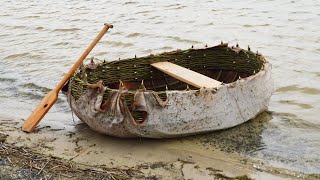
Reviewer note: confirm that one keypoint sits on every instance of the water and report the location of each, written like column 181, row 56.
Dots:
column 39, row 42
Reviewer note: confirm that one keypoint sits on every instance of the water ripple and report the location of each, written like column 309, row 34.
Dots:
column 301, row 105
column 178, row 39
column 67, row 30
column 305, row 90
column 10, row 80
column 133, row 35
column 23, row 55
column 31, row 17
column 119, row 44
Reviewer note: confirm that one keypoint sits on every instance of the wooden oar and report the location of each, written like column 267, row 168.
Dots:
column 52, row 96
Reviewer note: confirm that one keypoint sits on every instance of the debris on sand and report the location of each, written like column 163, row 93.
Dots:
column 22, row 163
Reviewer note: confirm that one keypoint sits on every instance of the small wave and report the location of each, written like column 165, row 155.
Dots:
column 263, row 25
column 30, row 17
column 13, row 56
column 293, row 121
column 133, row 35
column 176, row 8
column 130, row 2
column 82, row 8
column 154, row 17
column 172, row 5
column 300, row 12
column 101, row 53
column 305, row 90
column 66, row 30
column 301, row 105
column 148, row 51
column 131, row 19
column 246, row 8
column 75, row 20
column 23, row 55
column 117, row 44
column 216, row 10
column 41, row 12
column 285, row 114
column 19, row 27
column 38, row 96
column 166, row 48
column 39, row 28
column 31, row 95
column 178, row 39
column 258, row 25
column 180, row 7
column 36, row 87
column 247, row 26
column 116, row 33
column 143, row 5
column 11, row 80
column 142, row 12
column 61, row 43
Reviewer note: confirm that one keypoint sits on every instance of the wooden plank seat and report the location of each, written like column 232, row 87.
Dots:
column 186, row 75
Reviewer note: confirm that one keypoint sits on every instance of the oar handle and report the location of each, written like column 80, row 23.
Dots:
column 82, row 57
column 48, row 101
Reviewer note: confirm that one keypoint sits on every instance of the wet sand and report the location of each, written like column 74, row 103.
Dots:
column 164, row 158
column 23, row 163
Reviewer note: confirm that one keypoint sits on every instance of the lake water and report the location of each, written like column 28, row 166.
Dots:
column 40, row 40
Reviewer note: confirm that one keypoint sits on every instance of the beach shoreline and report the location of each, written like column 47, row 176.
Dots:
column 86, row 151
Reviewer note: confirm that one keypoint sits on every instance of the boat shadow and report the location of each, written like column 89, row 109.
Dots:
column 244, row 139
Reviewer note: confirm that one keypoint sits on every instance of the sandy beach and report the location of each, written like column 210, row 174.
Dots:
column 106, row 156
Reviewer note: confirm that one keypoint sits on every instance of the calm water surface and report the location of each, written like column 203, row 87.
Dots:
column 40, row 40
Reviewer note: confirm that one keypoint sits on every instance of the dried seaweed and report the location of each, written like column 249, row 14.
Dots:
column 26, row 164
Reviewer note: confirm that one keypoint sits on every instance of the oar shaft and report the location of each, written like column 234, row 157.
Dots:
column 83, row 56
column 48, row 101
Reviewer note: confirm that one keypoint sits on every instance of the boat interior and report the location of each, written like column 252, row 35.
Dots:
column 222, row 63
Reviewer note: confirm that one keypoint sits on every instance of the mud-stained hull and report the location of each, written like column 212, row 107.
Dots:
column 184, row 113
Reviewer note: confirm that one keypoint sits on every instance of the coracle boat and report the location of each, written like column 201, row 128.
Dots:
column 131, row 98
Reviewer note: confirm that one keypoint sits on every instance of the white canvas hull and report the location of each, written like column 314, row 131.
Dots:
column 185, row 113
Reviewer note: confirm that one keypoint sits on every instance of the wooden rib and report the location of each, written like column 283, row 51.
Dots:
column 153, row 85
column 218, row 77
column 235, row 76
column 167, row 84
column 185, row 75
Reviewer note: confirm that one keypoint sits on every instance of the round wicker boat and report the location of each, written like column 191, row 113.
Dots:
column 130, row 98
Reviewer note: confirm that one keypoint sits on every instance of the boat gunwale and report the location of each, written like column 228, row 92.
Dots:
column 259, row 57
column 264, row 68
column 137, row 130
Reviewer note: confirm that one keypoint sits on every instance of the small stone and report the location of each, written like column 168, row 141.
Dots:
column 3, row 162
column 3, row 138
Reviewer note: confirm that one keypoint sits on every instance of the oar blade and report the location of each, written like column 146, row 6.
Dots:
column 36, row 116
